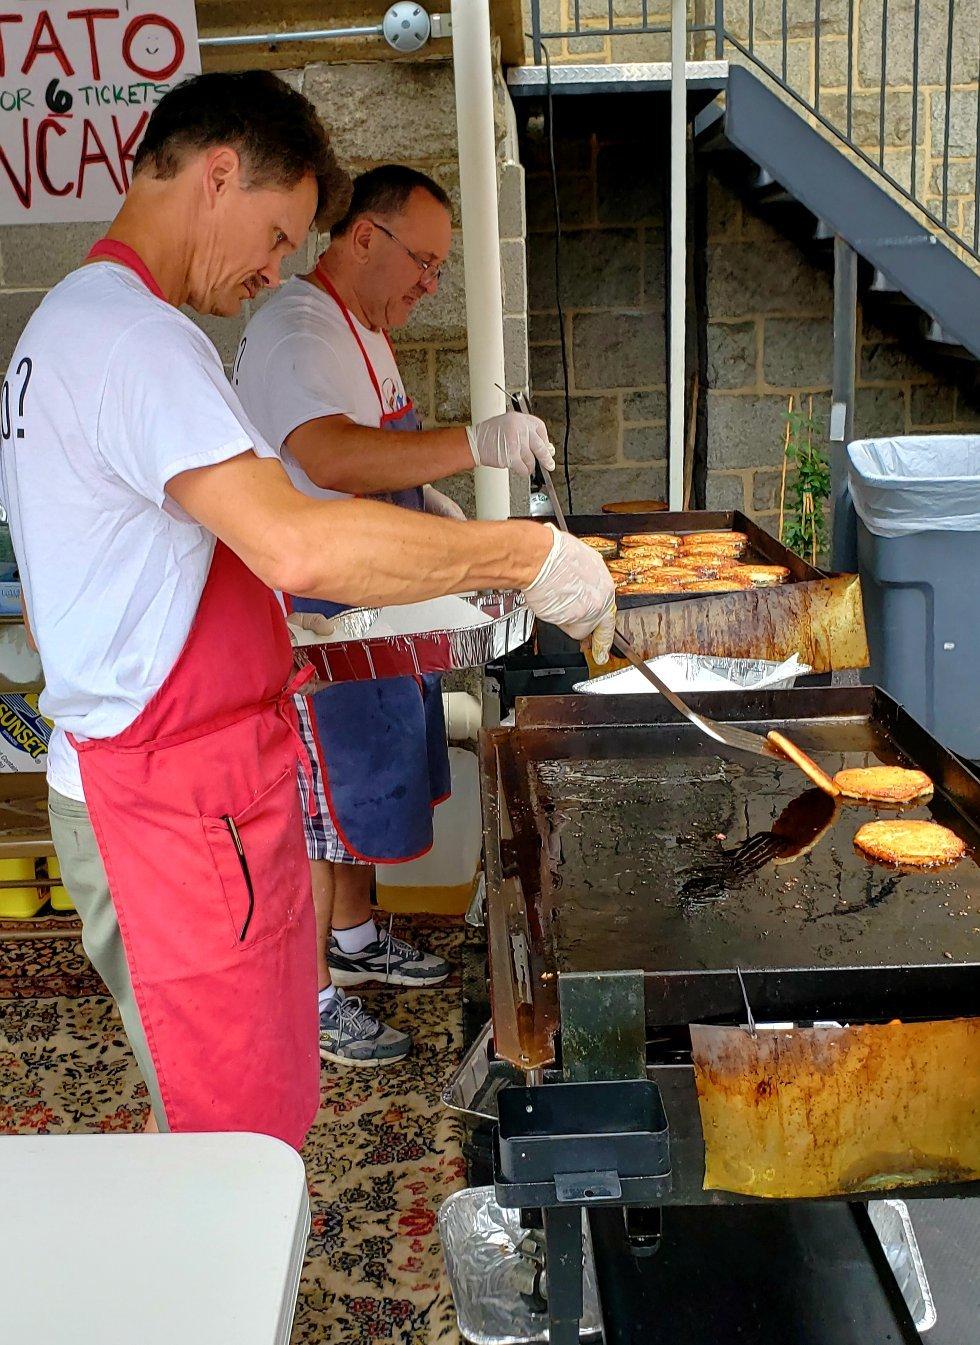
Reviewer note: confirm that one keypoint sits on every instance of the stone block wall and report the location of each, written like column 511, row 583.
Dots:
column 768, row 326
column 378, row 112
column 848, row 54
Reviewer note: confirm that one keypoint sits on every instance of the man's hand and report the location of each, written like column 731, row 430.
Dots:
column 575, row 591
column 511, row 440
column 434, row 502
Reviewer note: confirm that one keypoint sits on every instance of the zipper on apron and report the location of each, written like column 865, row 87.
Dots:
column 243, row 861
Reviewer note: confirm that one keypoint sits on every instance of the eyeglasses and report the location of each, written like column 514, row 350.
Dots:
column 429, row 273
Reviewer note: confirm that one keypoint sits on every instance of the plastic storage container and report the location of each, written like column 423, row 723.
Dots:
column 917, row 502
column 20, row 902
column 441, row 882
column 58, row 895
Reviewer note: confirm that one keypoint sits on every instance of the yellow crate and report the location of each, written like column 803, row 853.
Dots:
column 59, row 899
column 21, row 903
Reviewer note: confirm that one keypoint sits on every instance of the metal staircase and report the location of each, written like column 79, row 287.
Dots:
column 808, row 187
column 792, row 148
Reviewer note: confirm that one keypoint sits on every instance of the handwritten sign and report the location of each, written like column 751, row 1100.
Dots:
column 77, row 86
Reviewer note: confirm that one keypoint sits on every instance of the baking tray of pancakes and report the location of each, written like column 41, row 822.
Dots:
column 648, row 564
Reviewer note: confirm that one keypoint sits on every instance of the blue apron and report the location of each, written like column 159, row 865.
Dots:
column 381, row 744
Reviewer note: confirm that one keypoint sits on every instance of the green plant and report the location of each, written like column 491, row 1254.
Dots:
column 803, row 528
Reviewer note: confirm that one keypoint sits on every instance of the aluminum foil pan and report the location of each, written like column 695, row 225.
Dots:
column 701, row 672
column 492, row 1281
column 351, row 654
column 893, row 1224
column 472, row 1090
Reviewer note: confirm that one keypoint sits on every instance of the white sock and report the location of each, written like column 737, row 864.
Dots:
column 357, row 938
column 326, row 997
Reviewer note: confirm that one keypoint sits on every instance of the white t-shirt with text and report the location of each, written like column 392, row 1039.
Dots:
column 110, row 393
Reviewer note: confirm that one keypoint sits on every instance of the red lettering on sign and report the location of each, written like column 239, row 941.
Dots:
column 88, row 17
column 42, row 157
column 93, row 156
column 136, row 26
column 6, row 18
column 53, row 48
column 23, row 189
column 127, row 148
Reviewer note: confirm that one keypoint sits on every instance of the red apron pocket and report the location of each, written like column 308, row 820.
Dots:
column 260, row 890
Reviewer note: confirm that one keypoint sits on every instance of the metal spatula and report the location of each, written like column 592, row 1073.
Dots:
column 740, row 739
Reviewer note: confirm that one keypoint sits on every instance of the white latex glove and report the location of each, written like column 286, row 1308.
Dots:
column 315, row 622
column 575, row 591
column 512, row 440
column 434, row 502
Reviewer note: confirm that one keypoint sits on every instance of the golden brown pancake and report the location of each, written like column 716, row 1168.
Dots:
column 712, row 535
column 898, row 841
column 723, row 583
column 634, row 587
column 606, row 546
column 663, row 539
column 705, row 566
column 735, row 542
column 654, row 581
column 764, row 576
column 657, row 552
column 806, row 764
column 630, row 569
column 884, row 784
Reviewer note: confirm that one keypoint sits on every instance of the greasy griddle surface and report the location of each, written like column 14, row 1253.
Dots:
column 644, row 871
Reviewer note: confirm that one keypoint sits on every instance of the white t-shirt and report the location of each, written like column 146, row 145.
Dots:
column 298, row 360
column 111, row 393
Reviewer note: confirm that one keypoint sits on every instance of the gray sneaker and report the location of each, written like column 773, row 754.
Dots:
column 387, row 960
column 349, row 1035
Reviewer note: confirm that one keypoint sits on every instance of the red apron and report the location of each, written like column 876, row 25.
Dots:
column 381, row 745
column 196, row 814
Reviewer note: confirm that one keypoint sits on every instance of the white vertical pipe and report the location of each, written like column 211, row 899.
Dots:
column 678, row 247
column 472, row 70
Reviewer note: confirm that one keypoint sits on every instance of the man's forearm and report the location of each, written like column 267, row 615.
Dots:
column 337, row 454
column 352, row 551
column 364, row 553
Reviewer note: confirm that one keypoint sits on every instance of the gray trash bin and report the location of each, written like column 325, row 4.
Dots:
column 917, row 502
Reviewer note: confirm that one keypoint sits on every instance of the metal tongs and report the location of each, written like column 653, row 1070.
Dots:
column 740, row 739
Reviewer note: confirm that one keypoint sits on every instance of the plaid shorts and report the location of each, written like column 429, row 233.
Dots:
column 322, row 841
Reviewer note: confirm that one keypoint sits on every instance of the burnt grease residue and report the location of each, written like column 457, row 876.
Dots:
column 674, row 861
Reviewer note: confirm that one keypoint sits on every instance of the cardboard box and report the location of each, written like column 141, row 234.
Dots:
column 9, row 598
column 24, row 734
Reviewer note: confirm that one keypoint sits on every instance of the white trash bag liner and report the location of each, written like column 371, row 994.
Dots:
column 920, row 483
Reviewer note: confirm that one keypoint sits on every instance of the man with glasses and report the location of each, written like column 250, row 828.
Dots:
column 318, row 377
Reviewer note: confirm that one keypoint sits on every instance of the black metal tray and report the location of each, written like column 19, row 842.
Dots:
column 623, row 825
column 762, row 545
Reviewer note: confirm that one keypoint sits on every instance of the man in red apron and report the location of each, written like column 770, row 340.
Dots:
column 318, row 376
column 151, row 521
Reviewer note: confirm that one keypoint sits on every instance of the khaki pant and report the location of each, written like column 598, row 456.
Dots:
column 83, row 874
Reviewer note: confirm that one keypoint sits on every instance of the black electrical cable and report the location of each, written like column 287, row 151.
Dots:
column 561, row 314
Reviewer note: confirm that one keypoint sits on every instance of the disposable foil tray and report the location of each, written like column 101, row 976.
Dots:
column 352, row 654
column 893, row 1225
column 701, row 672
column 489, row 1277
column 472, row 1091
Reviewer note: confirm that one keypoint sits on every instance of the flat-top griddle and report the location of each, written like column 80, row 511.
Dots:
column 629, row 851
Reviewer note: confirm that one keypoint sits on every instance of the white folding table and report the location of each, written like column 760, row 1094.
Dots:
column 110, row 1239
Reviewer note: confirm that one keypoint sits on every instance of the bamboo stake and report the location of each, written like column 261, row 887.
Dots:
column 782, row 483
column 809, row 454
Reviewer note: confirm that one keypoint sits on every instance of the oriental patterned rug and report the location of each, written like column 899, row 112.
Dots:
column 381, row 1158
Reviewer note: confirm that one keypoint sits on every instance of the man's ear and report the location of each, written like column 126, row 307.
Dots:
column 361, row 236
column 222, row 169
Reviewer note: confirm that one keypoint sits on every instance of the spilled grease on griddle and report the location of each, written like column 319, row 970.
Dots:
column 643, row 865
